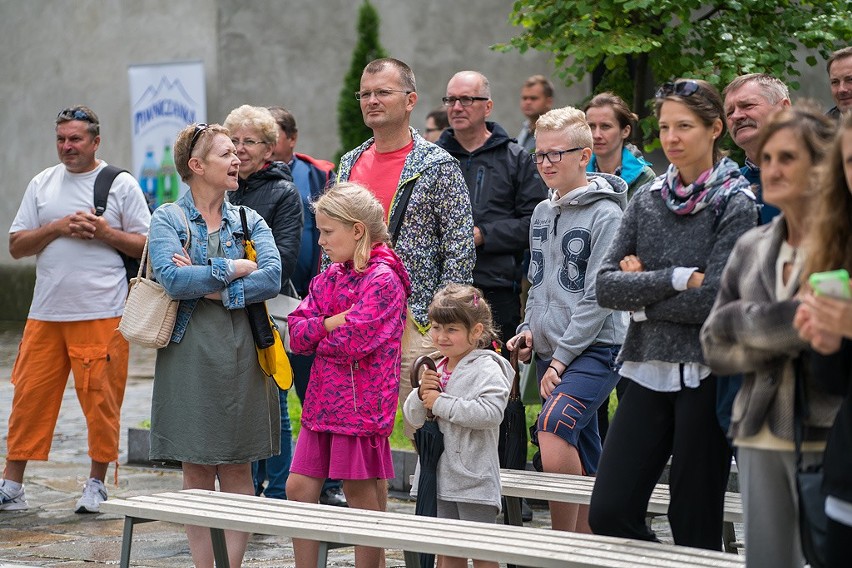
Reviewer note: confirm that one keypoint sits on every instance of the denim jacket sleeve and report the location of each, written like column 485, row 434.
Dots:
column 265, row 282
column 167, row 237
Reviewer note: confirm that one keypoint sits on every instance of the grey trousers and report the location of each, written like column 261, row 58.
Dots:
column 770, row 504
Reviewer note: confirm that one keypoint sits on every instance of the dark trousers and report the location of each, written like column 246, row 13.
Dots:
column 839, row 541
column 649, row 427
column 505, row 311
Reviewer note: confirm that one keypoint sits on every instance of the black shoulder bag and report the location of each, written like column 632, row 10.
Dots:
column 258, row 316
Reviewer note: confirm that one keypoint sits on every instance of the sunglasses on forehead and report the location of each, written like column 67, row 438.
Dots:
column 199, row 128
column 75, row 114
column 679, row 88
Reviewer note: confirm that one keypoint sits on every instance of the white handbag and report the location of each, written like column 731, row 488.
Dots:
column 282, row 306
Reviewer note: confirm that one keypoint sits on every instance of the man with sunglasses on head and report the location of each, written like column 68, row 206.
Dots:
column 423, row 193
column 78, row 300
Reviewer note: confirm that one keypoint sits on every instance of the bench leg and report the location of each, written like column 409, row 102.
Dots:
column 729, row 537
column 412, row 559
column 220, row 548
column 512, row 514
column 126, row 542
column 322, row 555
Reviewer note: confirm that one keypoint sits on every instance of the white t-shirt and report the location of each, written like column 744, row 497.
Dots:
column 79, row 279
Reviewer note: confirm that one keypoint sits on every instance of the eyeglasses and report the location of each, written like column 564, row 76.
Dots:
column 75, row 114
column 199, row 128
column 465, row 101
column 553, row 157
column 679, row 88
column 381, row 94
column 248, row 142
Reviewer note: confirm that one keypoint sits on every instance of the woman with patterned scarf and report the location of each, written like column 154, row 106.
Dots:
column 664, row 267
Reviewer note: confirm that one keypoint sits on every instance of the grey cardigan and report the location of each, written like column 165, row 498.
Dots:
column 663, row 241
column 469, row 413
column 749, row 331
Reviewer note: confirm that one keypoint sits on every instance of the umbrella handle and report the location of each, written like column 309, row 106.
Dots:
column 415, row 376
column 513, row 359
column 415, row 369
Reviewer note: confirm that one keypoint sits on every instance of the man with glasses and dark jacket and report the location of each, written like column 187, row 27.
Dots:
column 78, row 300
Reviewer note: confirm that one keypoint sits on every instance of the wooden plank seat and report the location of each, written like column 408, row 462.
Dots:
column 336, row 526
column 565, row 488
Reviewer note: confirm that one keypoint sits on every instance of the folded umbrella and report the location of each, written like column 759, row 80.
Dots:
column 429, row 442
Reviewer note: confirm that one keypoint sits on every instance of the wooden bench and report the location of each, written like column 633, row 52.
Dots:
column 578, row 489
column 336, row 526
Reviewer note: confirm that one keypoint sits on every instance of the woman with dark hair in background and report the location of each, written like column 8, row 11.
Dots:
column 826, row 323
column 664, row 266
column 613, row 126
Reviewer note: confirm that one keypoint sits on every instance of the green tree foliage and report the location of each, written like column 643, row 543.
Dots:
column 350, row 122
column 633, row 45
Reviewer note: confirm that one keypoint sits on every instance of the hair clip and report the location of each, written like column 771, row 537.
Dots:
column 475, row 300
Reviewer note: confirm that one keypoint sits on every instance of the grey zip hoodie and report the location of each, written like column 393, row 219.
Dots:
column 569, row 237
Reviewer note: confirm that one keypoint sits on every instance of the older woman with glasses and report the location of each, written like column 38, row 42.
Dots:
column 267, row 187
column 750, row 331
column 664, row 267
column 213, row 409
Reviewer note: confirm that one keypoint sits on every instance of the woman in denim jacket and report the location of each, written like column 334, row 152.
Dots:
column 213, row 409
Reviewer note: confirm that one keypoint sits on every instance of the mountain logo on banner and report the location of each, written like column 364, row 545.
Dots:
column 167, row 102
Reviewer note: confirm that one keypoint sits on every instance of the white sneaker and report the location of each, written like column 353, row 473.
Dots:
column 12, row 500
column 94, row 493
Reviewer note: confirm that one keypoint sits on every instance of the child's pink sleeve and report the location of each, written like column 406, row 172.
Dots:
column 306, row 326
column 375, row 318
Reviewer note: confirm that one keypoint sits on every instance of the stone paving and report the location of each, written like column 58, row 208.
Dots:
column 50, row 534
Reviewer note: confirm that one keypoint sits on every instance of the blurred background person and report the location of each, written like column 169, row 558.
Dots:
column 436, row 123
column 536, row 99
column 827, row 324
column 750, row 331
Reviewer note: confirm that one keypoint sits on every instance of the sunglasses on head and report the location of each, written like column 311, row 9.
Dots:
column 199, row 128
column 680, row 88
column 75, row 114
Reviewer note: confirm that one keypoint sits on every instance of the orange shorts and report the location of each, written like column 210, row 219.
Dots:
column 97, row 354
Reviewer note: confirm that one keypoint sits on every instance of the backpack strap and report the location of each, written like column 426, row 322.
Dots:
column 401, row 205
column 103, row 183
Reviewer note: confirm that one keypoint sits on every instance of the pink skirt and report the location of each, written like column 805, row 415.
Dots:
column 338, row 456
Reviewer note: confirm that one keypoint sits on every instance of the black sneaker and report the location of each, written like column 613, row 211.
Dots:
column 333, row 496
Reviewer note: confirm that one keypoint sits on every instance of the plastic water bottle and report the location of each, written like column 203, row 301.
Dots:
column 169, row 183
column 149, row 179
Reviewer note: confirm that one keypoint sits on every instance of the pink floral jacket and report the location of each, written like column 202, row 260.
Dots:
column 355, row 376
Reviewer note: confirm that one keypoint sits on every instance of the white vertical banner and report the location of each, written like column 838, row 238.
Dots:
column 164, row 98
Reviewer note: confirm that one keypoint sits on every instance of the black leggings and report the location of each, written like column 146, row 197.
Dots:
column 649, row 427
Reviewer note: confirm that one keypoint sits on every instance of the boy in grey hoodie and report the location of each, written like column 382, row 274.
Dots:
column 575, row 341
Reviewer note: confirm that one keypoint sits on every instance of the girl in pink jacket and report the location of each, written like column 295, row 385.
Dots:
column 353, row 319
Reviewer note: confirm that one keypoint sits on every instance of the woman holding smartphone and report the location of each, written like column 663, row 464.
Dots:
column 750, row 331
column 826, row 323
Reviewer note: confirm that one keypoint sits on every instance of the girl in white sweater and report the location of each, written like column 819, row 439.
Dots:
column 467, row 395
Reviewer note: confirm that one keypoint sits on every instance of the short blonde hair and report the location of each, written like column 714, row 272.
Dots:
column 350, row 203
column 257, row 118
column 568, row 119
